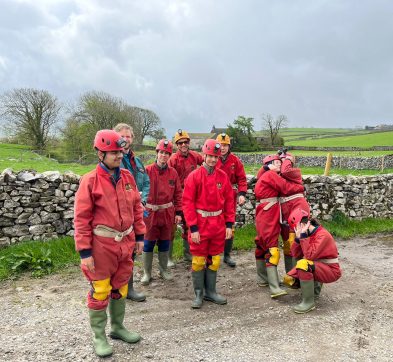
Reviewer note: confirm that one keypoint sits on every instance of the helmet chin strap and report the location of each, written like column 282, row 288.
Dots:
column 103, row 161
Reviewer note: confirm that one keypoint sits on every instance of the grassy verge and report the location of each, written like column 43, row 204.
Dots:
column 42, row 258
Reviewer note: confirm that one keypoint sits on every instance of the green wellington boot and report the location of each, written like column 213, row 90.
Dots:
column 186, row 251
column 98, row 319
column 117, row 308
column 274, row 285
column 261, row 273
column 210, row 288
column 317, row 289
column 171, row 263
column 163, row 265
column 198, row 281
column 308, row 301
column 227, row 253
column 132, row 294
column 147, row 266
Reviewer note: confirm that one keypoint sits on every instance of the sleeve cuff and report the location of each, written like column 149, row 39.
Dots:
column 86, row 253
column 194, row 228
column 139, row 237
column 242, row 193
column 303, row 236
column 297, row 240
column 229, row 225
column 178, row 213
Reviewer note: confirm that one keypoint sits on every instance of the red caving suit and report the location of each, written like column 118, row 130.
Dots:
column 293, row 175
column 184, row 165
column 99, row 202
column 164, row 188
column 209, row 193
column 234, row 168
column 270, row 185
column 319, row 245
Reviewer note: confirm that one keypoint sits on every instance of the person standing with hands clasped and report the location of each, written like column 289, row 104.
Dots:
column 208, row 208
column 108, row 221
column 317, row 258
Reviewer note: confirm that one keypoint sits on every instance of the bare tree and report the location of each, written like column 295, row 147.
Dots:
column 147, row 124
column 273, row 126
column 30, row 113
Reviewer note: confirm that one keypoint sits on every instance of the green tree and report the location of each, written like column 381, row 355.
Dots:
column 241, row 133
column 30, row 115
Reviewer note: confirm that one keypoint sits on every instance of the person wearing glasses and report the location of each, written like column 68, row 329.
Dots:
column 135, row 166
column 234, row 168
column 208, row 208
column 184, row 161
column 108, row 219
column 163, row 209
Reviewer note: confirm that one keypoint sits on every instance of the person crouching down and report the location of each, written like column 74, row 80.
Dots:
column 163, row 209
column 317, row 256
column 108, row 220
column 208, row 208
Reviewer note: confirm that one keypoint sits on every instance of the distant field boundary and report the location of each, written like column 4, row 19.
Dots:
column 333, row 149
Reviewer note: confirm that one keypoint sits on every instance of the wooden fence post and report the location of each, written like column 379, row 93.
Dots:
column 328, row 164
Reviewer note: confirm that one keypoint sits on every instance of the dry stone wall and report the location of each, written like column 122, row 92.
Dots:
column 37, row 206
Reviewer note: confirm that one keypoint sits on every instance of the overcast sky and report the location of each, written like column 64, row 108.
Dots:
column 323, row 63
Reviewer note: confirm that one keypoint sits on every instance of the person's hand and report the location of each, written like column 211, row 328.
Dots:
column 195, row 237
column 139, row 247
column 228, row 233
column 242, row 200
column 89, row 264
column 301, row 229
column 178, row 219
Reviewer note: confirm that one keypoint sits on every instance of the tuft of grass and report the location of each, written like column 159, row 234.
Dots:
column 37, row 257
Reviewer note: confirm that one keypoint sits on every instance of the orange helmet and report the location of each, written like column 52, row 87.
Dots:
column 224, row 139
column 270, row 158
column 181, row 134
column 164, row 145
column 296, row 216
column 211, row 147
column 108, row 140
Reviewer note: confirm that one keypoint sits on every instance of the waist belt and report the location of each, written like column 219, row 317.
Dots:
column 159, row 207
column 108, row 232
column 328, row 261
column 270, row 202
column 208, row 213
column 289, row 198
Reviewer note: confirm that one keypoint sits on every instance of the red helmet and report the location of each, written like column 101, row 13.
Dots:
column 270, row 158
column 108, row 140
column 296, row 216
column 211, row 147
column 164, row 145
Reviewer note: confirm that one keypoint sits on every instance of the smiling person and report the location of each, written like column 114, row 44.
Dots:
column 135, row 166
column 108, row 219
column 184, row 161
column 234, row 168
column 163, row 209
column 208, row 208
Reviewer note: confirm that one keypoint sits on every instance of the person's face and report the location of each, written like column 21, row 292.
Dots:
column 112, row 158
column 163, row 157
column 224, row 149
column 128, row 137
column 210, row 160
column 183, row 145
column 277, row 164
